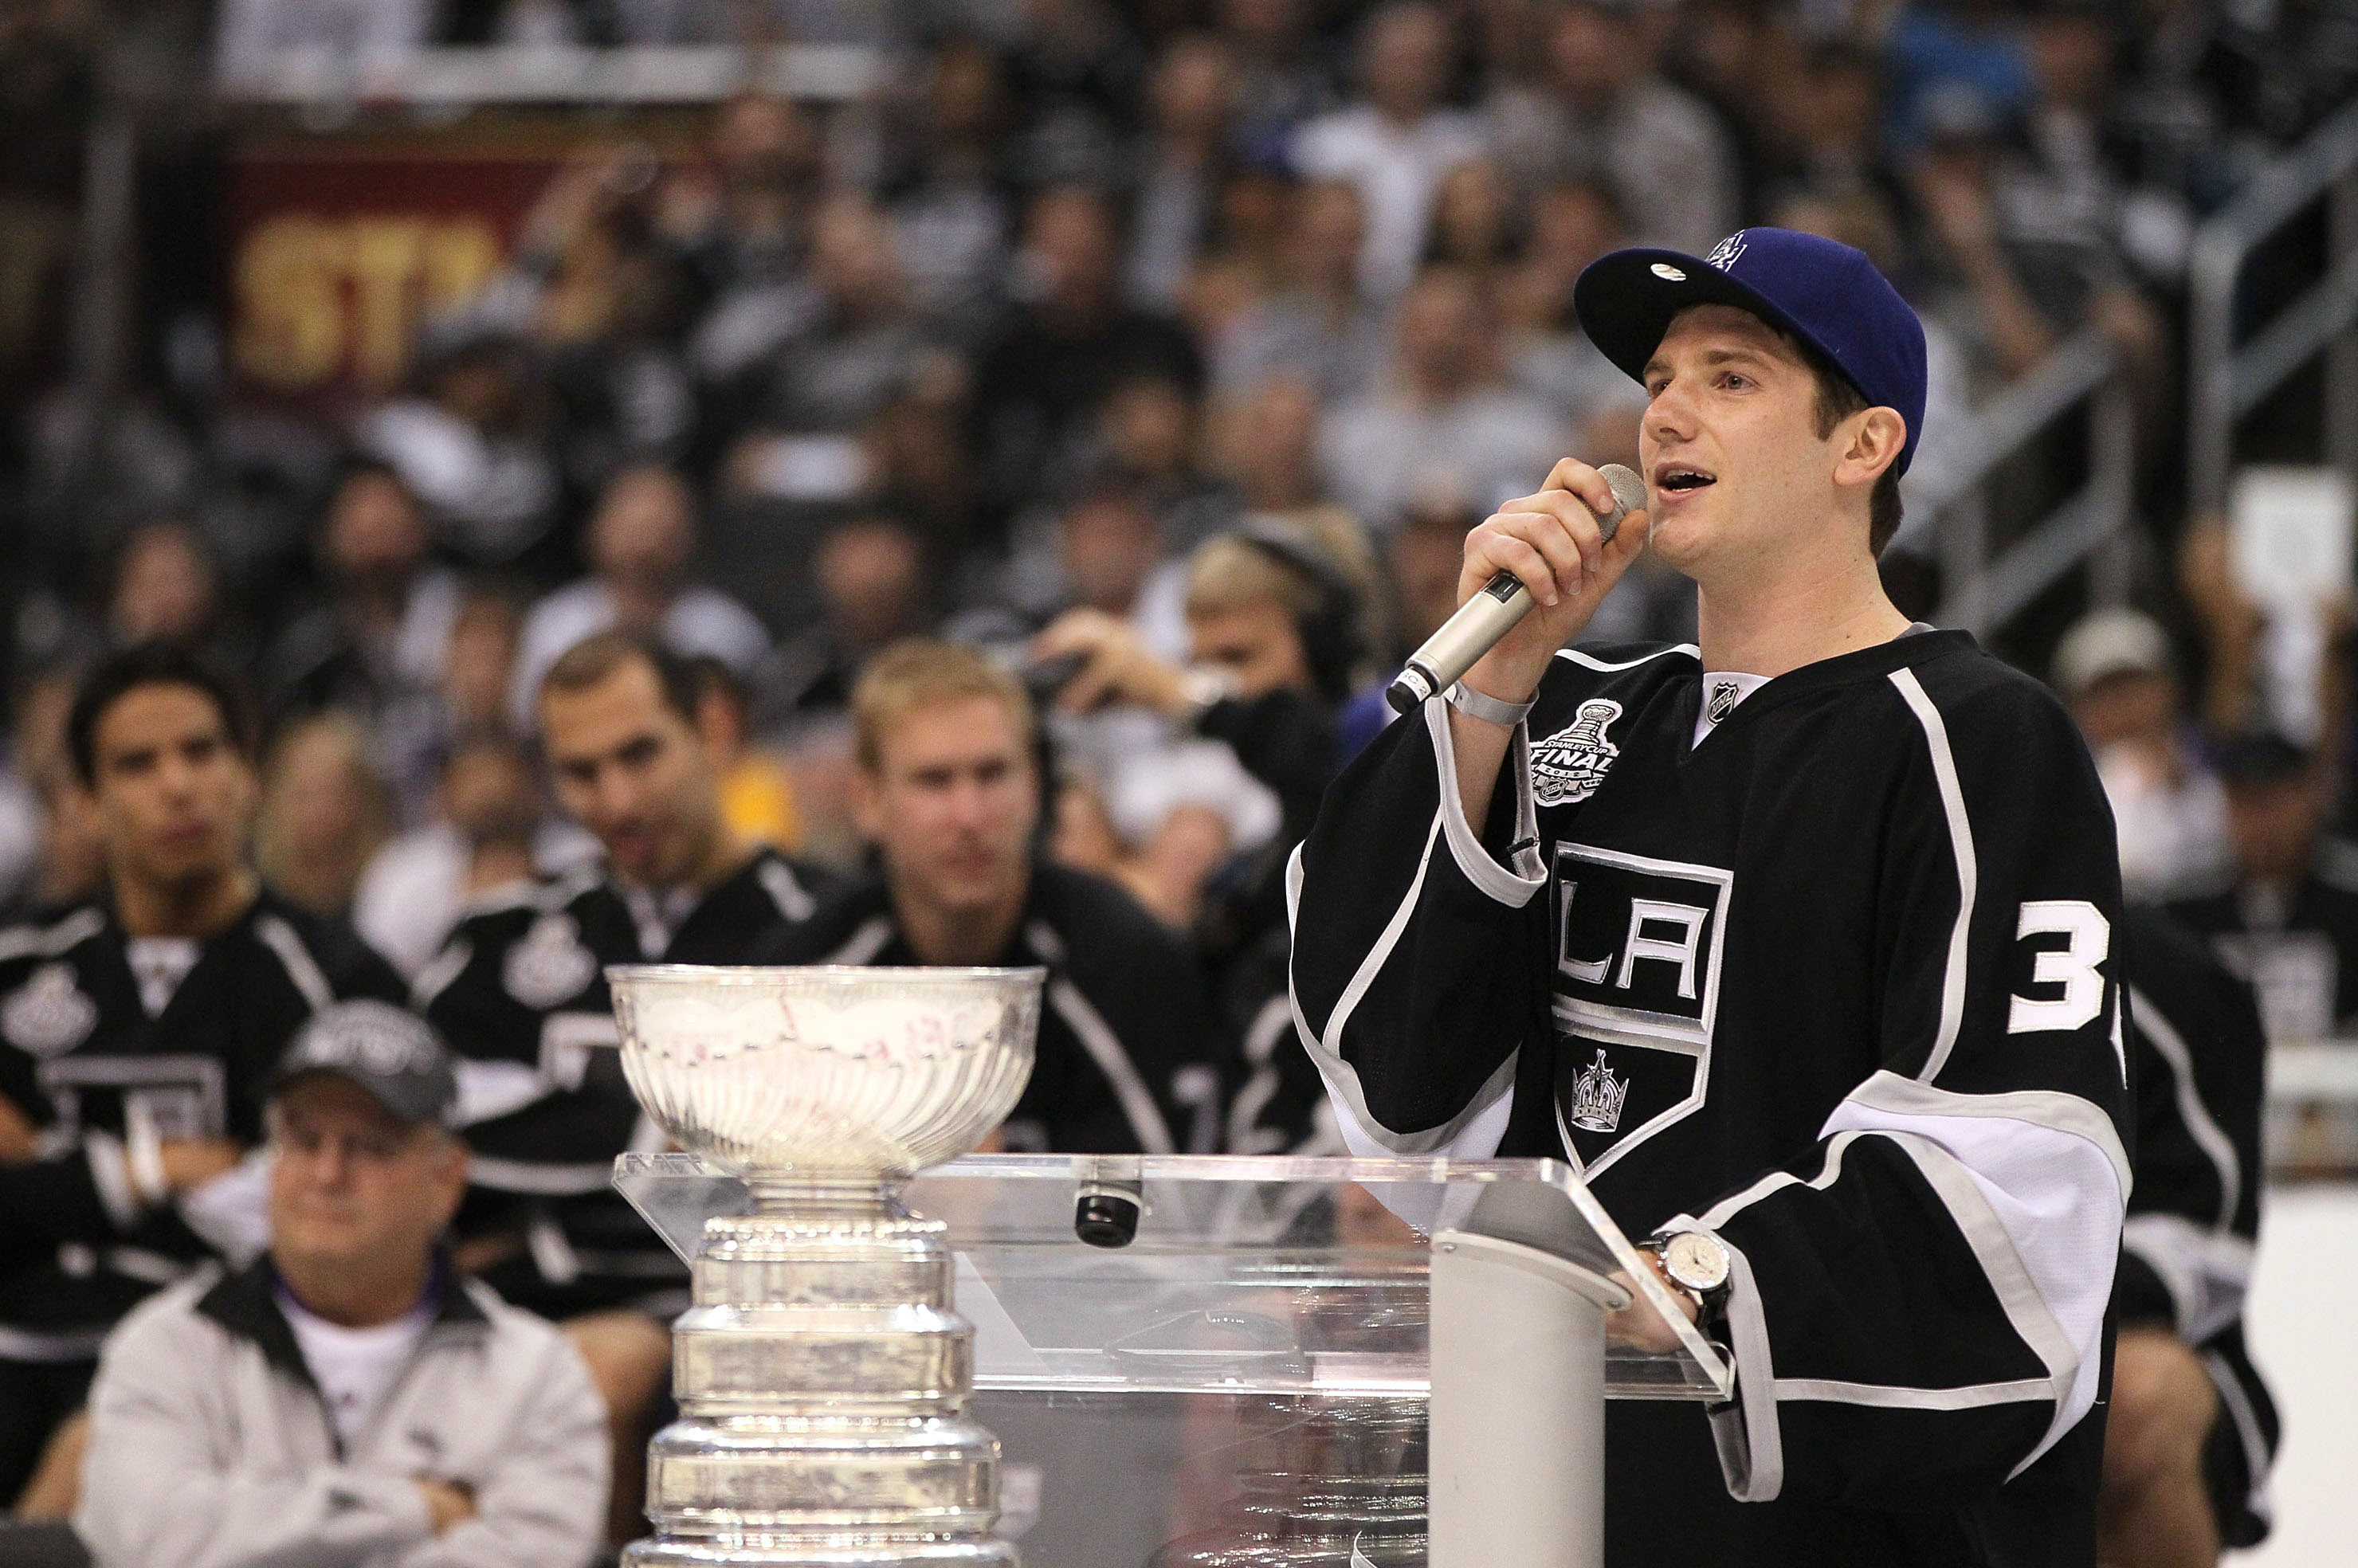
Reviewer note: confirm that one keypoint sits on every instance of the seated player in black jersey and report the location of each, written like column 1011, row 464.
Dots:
column 2191, row 1429
column 1796, row 943
column 635, row 748
column 138, row 1031
column 2285, row 916
column 1130, row 1060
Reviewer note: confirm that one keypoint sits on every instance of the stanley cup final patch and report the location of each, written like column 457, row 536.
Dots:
column 1568, row 765
column 49, row 1014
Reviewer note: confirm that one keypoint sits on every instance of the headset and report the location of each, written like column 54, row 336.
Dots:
column 1333, row 643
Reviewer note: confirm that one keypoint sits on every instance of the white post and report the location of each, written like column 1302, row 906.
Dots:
column 1517, row 1444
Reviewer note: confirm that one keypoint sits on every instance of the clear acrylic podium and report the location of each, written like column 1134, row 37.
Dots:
column 1294, row 1361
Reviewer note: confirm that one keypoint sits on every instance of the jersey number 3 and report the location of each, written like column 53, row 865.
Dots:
column 2072, row 966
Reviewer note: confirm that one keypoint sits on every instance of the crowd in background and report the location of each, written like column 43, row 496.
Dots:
column 1138, row 344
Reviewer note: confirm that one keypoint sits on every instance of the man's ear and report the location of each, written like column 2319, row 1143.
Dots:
column 1872, row 444
column 717, row 725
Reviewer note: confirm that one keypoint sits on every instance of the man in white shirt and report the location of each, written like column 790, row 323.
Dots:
column 348, row 1399
column 1396, row 145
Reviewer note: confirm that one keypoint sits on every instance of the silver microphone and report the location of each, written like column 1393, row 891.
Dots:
column 1490, row 614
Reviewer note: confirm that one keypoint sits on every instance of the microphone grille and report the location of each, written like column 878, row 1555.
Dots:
column 1629, row 493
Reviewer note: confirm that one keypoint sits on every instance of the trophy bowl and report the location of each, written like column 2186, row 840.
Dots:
column 829, row 1072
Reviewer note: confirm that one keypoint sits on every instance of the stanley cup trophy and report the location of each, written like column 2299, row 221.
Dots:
column 822, row 1374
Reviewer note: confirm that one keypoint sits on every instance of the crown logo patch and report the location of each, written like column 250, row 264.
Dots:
column 550, row 965
column 1568, row 765
column 1722, row 255
column 49, row 1014
column 1597, row 1096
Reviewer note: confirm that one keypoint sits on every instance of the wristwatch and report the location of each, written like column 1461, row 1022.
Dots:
column 1696, row 1262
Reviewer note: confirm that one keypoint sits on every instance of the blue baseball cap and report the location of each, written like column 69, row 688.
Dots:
column 1823, row 292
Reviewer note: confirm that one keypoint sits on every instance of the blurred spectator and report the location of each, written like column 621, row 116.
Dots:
column 348, row 1398
column 640, row 544
column 136, row 1028
column 1397, row 143
column 1038, row 386
column 489, row 831
column 950, row 794
column 873, row 587
column 1573, row 222
column 1318, row 325
column 324, row 812
column 950, row 207
column 1152, row 434
column 742, row 231
column 164, row 588
column 1280, row 79
column 2287, row 918
column 1191, row 97
column 1443, row 416
column 1475, row 222
column 1076, row 70
column 472, row 441
column 48, row 850
column 1602, row 110
column 862, row 349
column 253, row 38
column 1953, row 178
column 2113, row 669
column 382, row 637
column 1423, row 557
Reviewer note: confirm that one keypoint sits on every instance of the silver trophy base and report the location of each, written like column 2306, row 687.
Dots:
column 822, row 1378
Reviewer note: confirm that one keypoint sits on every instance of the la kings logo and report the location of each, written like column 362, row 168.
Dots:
column 550, row 965
column 1722, row 255
column 1568, row 765
column 1638, row 945
column 49, row 1014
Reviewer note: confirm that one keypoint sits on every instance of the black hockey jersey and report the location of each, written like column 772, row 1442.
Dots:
column 82, row 1059
column 1129, row 1060
column 1837, row 984
column 519, row 990
column 2300, row 951
column 2199, row 1064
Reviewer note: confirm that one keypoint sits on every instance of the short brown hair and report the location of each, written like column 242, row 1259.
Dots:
column 594, row 659
column 918, row 673
column 1838, row 399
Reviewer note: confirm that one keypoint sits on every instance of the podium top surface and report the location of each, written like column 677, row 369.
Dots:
column 1268, row 1274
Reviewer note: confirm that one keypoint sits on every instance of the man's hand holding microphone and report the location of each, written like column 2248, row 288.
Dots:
column 1560, row 550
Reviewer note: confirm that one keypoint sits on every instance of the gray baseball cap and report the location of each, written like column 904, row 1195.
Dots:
column 391, row 1052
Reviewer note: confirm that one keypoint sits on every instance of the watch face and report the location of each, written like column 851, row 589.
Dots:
column 1696, row 1260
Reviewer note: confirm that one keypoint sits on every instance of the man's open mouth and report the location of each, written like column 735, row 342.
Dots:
column 1679, row 476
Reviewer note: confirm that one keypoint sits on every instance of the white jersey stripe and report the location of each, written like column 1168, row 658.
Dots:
column 1105, row 1048
column 1971, row 1397
column 2214, row 1144
column 863, row 946
column 1960, row 843
column 1365, row 1135
column 48, row 941
column 280, row 938
column 1592, row 661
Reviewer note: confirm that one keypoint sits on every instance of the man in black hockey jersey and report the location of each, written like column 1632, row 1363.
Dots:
column 2191, row 1428
column 635, row 742
column 1797, row 941
column 137, row 1032
column 1129, row 1059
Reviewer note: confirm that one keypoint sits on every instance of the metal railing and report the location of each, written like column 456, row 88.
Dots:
column 553, row 73
column 2227, row 380
column 1981, row 592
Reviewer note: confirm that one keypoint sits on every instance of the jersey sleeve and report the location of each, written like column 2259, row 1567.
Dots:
column 2198, row 1059
column 1415, row 946
column 1918, row 1301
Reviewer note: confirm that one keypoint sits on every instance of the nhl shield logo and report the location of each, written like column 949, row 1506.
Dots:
column 1724, row 696
column 1568, row 765
column 550, row 965
column 49, row 1014
column 1722, row 255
